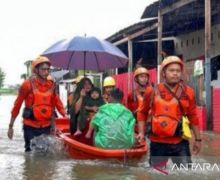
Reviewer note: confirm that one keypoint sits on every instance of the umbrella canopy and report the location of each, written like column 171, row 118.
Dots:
column 88, row 53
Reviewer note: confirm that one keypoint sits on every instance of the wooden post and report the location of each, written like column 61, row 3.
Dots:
column 130, row 64
column 159, row 42
column 116, row 71
column 208, row 64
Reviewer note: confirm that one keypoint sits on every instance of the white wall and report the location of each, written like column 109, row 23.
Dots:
column 216, row 83
column 192, row 51
column 63, row 94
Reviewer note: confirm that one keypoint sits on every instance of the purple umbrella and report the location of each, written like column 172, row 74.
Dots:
column 88, row 53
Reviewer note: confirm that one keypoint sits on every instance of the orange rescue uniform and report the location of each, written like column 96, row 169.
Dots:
column 187, row 100
column 132, row 103
column 136, row 97
column 26, row 94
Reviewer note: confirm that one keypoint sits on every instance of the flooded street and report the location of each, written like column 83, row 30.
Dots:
column 15, row 164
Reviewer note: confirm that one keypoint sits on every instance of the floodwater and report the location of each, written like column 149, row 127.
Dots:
column 15, row 164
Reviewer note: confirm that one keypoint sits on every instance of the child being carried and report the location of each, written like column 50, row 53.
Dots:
column 91, row 106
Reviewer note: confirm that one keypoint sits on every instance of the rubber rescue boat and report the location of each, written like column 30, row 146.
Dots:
column 79, row 150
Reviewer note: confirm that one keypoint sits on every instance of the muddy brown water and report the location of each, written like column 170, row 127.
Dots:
column 15, row 164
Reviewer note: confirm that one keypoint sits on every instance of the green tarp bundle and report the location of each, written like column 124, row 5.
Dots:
column 114, row 127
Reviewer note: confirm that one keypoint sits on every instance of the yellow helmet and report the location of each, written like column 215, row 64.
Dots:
column 140, row 70
column 109, row 81
column 170, row 60
column 40, row 60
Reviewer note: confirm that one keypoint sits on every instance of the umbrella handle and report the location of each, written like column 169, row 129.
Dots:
column 84, row 57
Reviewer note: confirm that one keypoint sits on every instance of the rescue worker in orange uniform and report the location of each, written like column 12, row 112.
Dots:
column 108, row 86
column 141, row 78
column 171, row 100
column 143, row 90
column 40, row 101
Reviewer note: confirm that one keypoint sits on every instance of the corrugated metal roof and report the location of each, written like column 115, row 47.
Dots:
column 151, row 10
column 130, row 30
column 183, row 20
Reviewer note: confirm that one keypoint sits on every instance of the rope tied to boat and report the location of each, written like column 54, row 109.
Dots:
column 125, row 157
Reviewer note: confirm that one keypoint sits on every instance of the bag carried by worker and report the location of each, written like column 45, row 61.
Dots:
column 186, row 132
column 28, row 113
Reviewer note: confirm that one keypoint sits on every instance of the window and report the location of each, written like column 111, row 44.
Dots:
column 187, row 42
column 176, row 45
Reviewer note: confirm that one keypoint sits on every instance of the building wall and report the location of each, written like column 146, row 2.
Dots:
column 216, row 83
column 192, row 45
column 29, row 69
column 28, row 65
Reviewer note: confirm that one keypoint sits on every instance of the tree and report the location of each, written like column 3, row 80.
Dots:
column 2, row 78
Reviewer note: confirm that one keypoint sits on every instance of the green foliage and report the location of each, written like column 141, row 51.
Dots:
column 2, row 78
column 8, row 91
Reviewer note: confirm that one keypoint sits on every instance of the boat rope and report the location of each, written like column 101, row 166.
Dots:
column 125, row 157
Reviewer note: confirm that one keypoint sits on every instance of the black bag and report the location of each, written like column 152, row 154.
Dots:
column 179, row 129
column 28, row 113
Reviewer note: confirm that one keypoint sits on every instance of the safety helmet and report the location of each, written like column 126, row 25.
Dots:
column 109, row 81
column 40, row 60
column 140, row 70
column 170, row 60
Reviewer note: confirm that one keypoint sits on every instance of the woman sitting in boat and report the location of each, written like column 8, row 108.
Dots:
column 113, row 124
column 77, row 106
column 91, row 106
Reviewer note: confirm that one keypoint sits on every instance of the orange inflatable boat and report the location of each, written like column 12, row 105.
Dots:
column 78, row 150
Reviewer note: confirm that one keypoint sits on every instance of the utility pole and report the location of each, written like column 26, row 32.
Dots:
column 159, row 41
column 208, row 91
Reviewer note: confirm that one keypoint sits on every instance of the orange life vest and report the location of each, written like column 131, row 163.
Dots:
column 133, row 99
column 165, row 121
column 42, row 105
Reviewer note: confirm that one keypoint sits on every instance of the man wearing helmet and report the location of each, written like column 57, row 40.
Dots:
column 40, row 98
column 171, row 100
column 141, row 78
column 108, row 85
